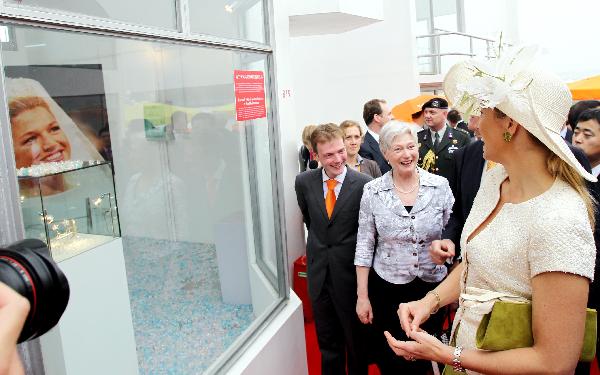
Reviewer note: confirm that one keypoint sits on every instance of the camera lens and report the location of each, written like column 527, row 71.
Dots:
column 26, row 267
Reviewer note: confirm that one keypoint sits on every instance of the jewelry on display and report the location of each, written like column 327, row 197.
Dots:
column 456, row 365
column 407, row 191
column 44, row 169
column 438, row 301
column 64, row 229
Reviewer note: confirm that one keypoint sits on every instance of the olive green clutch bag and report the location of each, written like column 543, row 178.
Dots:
column 508, row 326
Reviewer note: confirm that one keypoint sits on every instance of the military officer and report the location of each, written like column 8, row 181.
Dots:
column 438, row 143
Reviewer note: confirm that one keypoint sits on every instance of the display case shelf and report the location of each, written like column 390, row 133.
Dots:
column 71, row 206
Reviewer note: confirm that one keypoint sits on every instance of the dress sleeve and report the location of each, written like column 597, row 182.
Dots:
column 563, row 242
column 365, row 239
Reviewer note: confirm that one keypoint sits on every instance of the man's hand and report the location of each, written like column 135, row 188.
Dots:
column 442, row 250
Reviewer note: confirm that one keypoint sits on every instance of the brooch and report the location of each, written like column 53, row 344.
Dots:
column 454, row 141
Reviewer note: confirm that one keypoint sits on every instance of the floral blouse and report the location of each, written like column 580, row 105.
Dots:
column 396, row 242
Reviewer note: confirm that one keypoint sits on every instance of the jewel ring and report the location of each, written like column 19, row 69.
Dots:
column 412, row 358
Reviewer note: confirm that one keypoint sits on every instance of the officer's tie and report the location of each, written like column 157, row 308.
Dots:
column 437, row 142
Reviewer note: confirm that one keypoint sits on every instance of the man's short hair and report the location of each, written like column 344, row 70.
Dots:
column 453, row 116
column 325, row 133
column 577, row 108
column 372, row 108
column 437, row 103
column 590, row 114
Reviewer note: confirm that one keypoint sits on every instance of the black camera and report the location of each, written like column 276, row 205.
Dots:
column 26, row 267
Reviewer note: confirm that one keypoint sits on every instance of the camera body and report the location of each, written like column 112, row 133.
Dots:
column 27, row 267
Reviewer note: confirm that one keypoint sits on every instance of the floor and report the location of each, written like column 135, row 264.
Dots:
column 181, row 324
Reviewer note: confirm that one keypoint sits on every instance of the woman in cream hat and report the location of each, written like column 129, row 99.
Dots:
column 528, row 237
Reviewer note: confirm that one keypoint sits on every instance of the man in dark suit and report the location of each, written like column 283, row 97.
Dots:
column 456, row 122
column 329, row 198
column 376, row 114
column 438, row 143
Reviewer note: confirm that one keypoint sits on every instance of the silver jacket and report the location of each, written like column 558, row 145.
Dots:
column 402, row 238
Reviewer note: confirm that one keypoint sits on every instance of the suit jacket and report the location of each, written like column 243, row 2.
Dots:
column 331, row 242
column 370, row 150
column 444, row 156
column 469, row 163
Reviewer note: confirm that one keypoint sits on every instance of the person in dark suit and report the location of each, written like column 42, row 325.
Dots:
column 329, row 198
column 438, row 144
column 376, row 114
column 587, row 138
column 573, row 116
column 456, row 122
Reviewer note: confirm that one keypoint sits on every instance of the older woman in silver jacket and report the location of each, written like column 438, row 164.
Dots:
column 401, row 213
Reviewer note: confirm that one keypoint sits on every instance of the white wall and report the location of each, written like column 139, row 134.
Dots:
column 287, row 97
column 334, row 75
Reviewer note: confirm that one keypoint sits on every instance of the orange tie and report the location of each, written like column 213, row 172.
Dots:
column 330, row 197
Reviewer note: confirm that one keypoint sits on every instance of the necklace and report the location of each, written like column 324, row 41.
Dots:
column 408, row 191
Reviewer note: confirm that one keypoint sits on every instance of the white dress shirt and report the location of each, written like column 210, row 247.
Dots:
column 596, row 170
column 340, row 179
column 373, row 134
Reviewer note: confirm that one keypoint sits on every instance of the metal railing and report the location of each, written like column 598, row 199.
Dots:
column 430, row 62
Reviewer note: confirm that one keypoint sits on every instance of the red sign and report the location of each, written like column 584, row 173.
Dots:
column 249, row 86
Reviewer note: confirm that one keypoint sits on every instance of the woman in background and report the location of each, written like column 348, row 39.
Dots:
column 307, row 156
column 353, row 138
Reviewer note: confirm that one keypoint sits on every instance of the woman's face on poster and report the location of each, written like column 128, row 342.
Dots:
column 38, row 138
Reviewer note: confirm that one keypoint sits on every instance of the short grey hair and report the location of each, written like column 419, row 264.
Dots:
column 393, row 129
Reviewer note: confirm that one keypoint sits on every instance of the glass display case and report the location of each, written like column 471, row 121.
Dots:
column 71, row 205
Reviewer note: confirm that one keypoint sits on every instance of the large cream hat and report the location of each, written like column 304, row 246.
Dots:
column 536, row 99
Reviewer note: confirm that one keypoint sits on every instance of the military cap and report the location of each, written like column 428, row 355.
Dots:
column 439, row 103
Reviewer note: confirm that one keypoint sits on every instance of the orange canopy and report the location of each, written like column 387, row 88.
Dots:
column 404, row 110
column 586, row 89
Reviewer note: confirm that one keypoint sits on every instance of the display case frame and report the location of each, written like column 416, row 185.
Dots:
column 80, row 216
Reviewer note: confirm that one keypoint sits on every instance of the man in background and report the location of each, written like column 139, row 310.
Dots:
column 438, row 143
column 376, row 114
column 456, row 122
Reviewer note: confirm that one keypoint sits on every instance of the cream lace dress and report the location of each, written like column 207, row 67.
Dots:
column 550, row 232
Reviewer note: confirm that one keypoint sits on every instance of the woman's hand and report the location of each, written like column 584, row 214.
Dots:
column 364, row 310
column 413, row 313
column 424, row 347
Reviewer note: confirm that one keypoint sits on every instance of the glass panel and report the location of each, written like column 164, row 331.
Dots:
column 157, row 13
column 236, row 19
column 444, row 15
column 193, row 185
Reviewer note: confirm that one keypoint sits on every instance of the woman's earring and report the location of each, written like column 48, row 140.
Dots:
column 507, row 136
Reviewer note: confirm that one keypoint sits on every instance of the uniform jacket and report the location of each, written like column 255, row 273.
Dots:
column 444, row 155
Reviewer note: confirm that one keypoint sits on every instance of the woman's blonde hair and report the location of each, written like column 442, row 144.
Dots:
column 559, row 168
column 348, row 124
column 306, row 133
